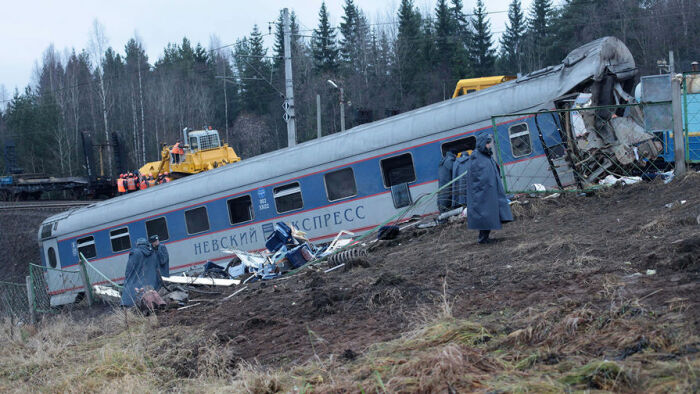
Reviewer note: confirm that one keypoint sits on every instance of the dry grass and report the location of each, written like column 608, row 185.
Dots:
column 553, row 351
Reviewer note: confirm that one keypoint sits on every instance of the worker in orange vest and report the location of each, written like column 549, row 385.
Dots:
column 151, row 181
column 143, row 185
column 121, row 188
column 131, row 183
column 177, row 152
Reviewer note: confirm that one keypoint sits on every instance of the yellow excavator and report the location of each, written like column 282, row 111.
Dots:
column 203, row 151
column 471, row 85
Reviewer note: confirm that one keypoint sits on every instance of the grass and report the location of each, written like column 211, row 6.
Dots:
column 612, row 343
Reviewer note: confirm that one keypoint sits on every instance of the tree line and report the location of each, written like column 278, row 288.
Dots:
column 385, row 67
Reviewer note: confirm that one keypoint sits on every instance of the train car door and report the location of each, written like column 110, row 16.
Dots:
column 54, row 278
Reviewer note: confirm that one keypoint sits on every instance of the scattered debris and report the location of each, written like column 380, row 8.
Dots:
column 235, row 292
column 107, row 294
column 612, row 180
column 186, row 280
column 388, row 232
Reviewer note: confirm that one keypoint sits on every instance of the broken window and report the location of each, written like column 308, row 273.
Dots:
column 86, row 246
column 158, row 227
column 46, row 230
column 340, row 184
column 520, row 143
column 398, row 169
column 197, row 220
column 288, row 197
column 460, row 145
column 120, row 239
column 401, row 195
column 240, row 209
column 52, row 257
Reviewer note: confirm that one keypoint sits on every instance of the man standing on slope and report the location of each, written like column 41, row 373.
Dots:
column 163, row 258
column 142, row 270
column 486, row 198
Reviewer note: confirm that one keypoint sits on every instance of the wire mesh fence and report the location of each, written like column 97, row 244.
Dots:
column 14, row 303
column 583, row 147
column 691, row 115
column 52, row 287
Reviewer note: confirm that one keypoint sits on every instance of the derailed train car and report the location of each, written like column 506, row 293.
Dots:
column 352, row 180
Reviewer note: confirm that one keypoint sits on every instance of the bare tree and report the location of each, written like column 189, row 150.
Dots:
column 98, row 43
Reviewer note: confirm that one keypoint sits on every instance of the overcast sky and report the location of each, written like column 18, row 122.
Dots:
column 28, row 27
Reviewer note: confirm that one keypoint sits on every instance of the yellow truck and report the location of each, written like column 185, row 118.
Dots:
column 466, row 86
column 203, row 151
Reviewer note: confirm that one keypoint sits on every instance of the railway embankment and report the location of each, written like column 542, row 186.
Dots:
column 579, row 293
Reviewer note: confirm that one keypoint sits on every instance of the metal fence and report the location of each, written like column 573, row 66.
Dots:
column 691, row 115
column 13, row 301
column 583, row 148
column 53, row 282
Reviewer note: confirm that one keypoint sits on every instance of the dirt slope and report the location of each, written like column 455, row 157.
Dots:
column 569, row 265
column 18, row 242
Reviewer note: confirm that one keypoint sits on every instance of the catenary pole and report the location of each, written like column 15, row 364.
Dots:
column 288, row 81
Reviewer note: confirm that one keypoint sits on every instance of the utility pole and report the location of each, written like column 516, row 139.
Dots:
column 288, row 81
column 342, row 110
column 342, row 104
column 318, row 116
column 678, row 132
column 228, row 140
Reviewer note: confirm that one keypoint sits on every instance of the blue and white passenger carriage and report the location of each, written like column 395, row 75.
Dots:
column 339, row 182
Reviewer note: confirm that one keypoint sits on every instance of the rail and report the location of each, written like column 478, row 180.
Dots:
column 43, row 205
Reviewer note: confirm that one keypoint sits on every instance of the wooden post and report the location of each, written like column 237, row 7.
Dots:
column 30, row 298
column 678, row 133
column 86, row 281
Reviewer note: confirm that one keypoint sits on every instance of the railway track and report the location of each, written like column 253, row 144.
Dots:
column 42, row 205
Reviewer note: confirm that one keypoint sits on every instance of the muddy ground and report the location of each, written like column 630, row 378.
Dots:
column 568, row 264
column 573, row 281
column 18, row 242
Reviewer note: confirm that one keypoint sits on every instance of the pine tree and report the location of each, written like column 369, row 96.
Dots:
column 510, row 58
column 445, row 32
column 348, row 32
column 323, row 45
column 408, row 63
column 481, row 52
column 254, row 69
column 460, row 62
column 539, row 32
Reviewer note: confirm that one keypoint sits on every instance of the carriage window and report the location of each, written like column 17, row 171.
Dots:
column 46, row 230
column 240, row 209
column 460, row 145
column 52, row 257
column 340, row 184
column 158, row 227
column 86, row 246
column 197, row 220
column 120, row 239
column 288, row 197
column 398, row 169
column 520, row 144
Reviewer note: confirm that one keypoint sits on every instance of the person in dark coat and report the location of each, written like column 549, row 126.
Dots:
column 486, row 197
column 163, row 257
column 459, row 187
column 142, row 270
column 444, row 177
